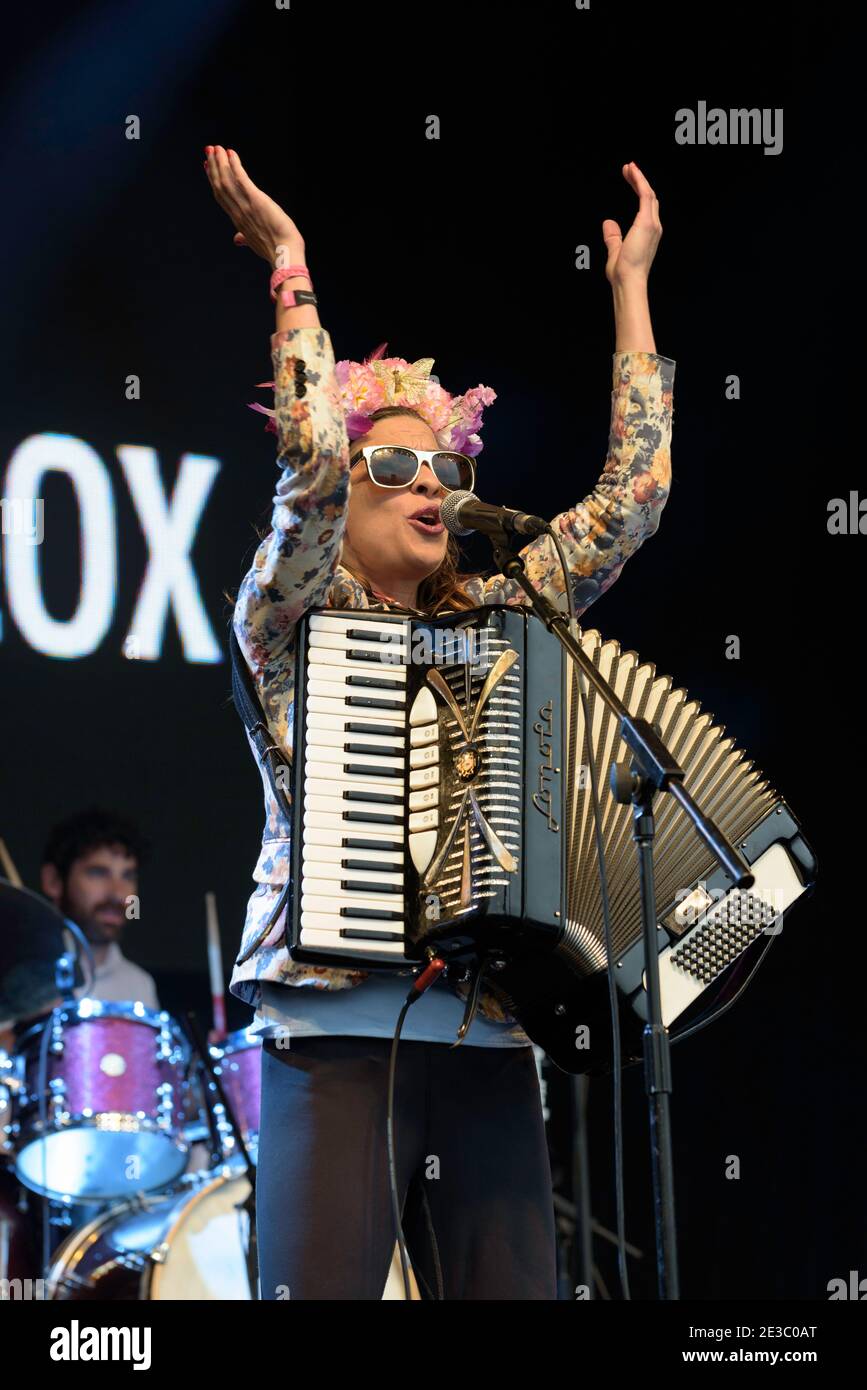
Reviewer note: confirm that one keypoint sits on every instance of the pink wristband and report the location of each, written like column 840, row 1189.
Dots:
column 283, row 274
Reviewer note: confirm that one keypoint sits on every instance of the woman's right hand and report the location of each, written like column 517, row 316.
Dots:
column 260, row 223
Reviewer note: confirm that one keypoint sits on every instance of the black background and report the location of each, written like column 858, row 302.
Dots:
column 116, row 260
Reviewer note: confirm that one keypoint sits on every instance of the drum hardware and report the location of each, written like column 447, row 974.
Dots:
column 248, row 1204
column 166, row 1093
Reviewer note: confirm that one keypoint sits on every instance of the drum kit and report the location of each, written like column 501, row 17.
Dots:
column 128, row 1143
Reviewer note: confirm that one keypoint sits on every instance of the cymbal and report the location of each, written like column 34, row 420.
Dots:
column 31, row 939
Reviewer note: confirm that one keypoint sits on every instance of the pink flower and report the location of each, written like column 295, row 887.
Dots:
column 356, row 424
column 436, row 407
column 361, row 391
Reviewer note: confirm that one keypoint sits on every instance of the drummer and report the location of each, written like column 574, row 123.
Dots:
column 90, row 869
column 90, row 872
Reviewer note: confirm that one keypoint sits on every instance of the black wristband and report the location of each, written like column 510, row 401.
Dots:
column 303, row 297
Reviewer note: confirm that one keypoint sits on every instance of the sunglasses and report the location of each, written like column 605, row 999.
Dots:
column 392, row 465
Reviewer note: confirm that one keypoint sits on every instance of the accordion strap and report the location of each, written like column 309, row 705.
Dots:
column 249, row 707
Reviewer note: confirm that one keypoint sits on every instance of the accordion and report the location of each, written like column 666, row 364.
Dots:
column 442, row 801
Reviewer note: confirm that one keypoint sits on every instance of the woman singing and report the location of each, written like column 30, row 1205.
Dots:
column 368, row 451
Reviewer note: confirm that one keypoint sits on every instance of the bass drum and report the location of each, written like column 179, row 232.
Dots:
column 188, row 1246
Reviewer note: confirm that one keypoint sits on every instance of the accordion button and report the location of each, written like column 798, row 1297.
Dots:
column 421, row 848
column 424, row 709
column 424, row 820
column 423, row 757
column 429, row 797
column 424, row 776
column 422, row 734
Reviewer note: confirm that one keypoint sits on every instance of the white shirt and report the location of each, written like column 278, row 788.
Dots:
column 118, row 979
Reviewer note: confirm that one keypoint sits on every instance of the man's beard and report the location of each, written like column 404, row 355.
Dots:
column 98, row 933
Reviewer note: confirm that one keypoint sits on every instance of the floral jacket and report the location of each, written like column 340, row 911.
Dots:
column 296, row 568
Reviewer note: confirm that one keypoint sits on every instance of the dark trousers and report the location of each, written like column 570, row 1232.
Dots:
column 472, row 1166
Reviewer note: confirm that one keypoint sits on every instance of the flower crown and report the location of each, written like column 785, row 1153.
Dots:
column 379, row 381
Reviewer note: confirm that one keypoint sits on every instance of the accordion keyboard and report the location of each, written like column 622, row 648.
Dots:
column 355, row 812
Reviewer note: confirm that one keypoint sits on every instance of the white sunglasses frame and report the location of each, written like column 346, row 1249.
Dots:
column 422, row 456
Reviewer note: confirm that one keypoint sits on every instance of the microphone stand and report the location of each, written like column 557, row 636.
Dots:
column 652, row 769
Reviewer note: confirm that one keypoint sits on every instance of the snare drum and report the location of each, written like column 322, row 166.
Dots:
column 100, row 1110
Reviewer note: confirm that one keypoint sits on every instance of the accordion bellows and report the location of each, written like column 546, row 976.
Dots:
column 727, row 786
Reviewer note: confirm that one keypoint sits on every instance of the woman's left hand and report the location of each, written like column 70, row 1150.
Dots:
column 630, row 258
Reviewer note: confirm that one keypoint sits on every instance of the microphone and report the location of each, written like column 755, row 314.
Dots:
column 463, row 512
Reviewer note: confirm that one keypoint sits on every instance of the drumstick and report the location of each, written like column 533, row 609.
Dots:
column 8, row 866
column 215, row 966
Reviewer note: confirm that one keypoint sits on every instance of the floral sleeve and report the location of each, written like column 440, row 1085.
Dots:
column 294, row 565
column 600, row 533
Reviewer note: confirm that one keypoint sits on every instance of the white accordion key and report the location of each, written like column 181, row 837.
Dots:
column 424, row 820
column 335, row 840
column 317, row 933
column 316, row 870
column 314, row 852
column 325, row 737
column 336, row 755
column 324, row 622
column 328, row 904
column 342, row 690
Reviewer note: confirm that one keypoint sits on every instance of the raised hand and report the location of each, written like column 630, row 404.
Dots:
column 261, row 224
column 631, row 257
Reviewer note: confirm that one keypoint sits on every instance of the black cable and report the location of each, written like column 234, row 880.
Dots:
column 425, row 978
column 392, row 1163
column 434, row 1248
column 612, row 983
